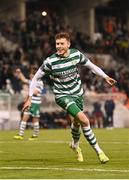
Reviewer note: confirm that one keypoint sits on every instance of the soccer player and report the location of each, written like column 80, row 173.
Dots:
column 33, row 111
column 62, row 67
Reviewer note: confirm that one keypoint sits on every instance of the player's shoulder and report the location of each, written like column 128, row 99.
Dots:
column 73, row 50
column 52, row 56
column 47, row 61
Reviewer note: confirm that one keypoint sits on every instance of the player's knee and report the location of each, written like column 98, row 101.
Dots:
column 83, row 119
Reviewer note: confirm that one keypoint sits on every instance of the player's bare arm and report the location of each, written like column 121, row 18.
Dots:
column 27, row 104
column 21, row 76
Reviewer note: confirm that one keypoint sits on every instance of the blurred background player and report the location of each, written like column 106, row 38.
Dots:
column 34, row 110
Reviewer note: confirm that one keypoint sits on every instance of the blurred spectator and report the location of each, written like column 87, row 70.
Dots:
column 109, row 107
column 97, row 115
column 62, row 119
column 9, row 87
column 127, row 103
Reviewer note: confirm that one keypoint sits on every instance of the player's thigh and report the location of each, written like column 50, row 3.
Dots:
column 69, row 104
column 35, row 119
column 26, row 116
column 79, row 102
column 35, row 110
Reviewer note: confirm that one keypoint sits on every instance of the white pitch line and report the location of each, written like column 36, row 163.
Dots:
column 36, row 141
column 57, row 142
column 64, row 169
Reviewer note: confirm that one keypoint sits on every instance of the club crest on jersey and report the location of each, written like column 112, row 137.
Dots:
column 66, row 100
column 74, row 62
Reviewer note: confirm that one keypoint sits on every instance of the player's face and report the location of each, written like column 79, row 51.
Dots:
column 62, row 46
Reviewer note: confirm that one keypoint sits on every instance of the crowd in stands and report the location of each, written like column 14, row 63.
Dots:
column 55, row 119
column 116, row 38
column 25, row 44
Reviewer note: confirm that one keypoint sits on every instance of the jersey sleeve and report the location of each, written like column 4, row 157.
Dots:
column 46, row 66
column 83, row 59
column 39, row 84
column 38, row 75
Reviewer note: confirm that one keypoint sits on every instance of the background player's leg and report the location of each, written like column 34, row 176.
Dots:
column 22, row 127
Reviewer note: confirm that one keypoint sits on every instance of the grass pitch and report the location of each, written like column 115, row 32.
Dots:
column 50, row 157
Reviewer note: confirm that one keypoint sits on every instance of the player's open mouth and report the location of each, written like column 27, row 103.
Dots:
column 60, row 51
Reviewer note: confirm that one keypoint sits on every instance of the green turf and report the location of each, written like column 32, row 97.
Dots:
column 49, row 157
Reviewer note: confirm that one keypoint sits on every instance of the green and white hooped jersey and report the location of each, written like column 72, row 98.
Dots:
column 36, row 99
column 64, row 73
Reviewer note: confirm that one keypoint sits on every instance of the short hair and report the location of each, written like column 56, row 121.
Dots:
column 63, row 35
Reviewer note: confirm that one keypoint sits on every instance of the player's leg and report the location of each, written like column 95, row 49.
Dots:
column 74, row 144
column 74, row 107
column 22, row 126
column 75, row 127
column 90, row 136
column 35, row 129
column 35, row 111
column 75, row 131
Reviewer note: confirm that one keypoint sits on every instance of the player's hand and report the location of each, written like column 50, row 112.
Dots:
column 18, row 70
column 27, row 104
column 110, row 81
column 17, row 73
column 37, row 91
